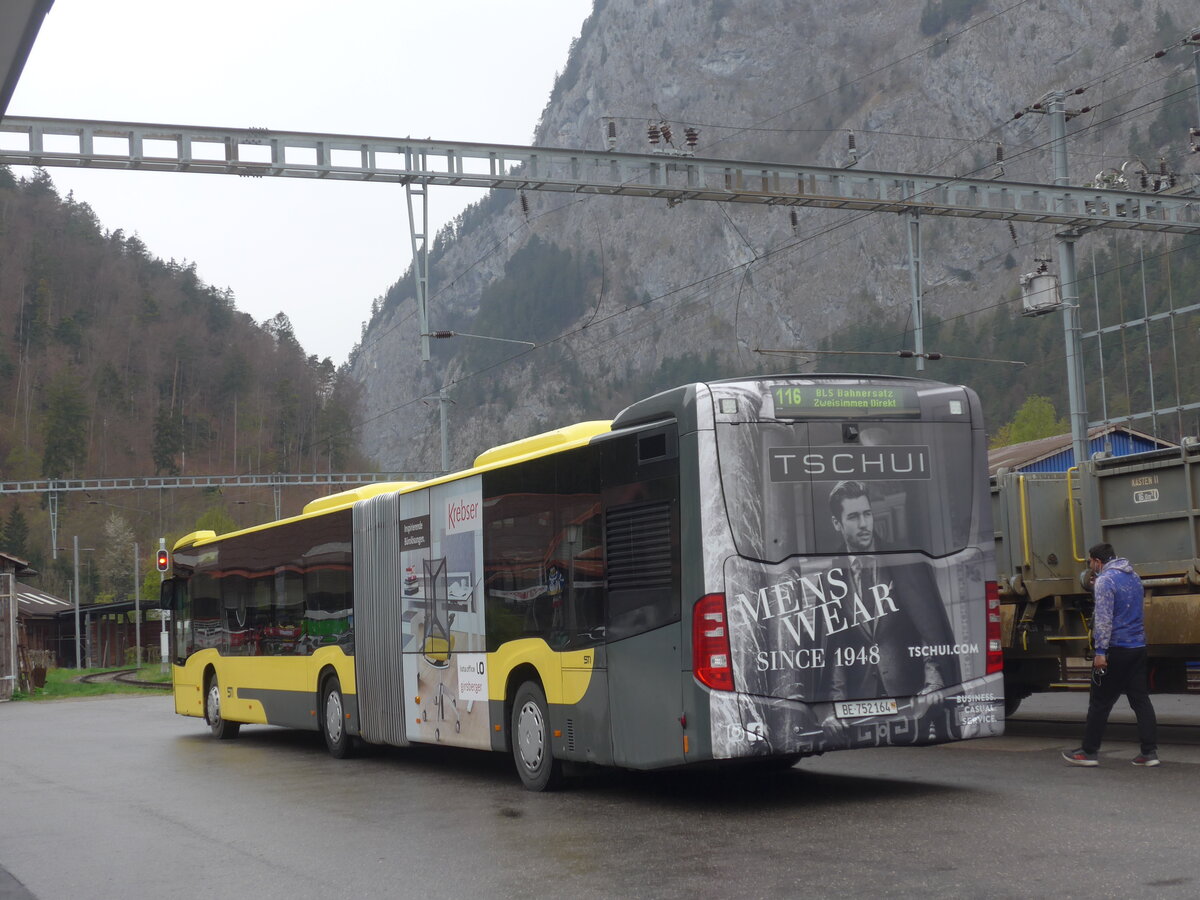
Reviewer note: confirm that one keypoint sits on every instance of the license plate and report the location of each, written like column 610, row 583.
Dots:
column 856, row 709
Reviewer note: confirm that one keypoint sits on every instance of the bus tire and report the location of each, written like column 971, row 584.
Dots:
column 222, row 729
column 333, row 720
column 532, row 751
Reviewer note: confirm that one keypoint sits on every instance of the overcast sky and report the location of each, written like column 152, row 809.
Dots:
column 466, row 70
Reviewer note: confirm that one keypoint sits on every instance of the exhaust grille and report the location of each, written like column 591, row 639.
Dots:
column 638, row 543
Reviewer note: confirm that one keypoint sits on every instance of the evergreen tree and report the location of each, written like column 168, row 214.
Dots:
column 336, row 423
column 40, row 184
column 168, row 441
column 279, row 326
column 64, row 428
column 16, row 533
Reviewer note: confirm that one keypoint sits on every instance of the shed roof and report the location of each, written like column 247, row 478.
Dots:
column 1024, row 456
column 35, row 603
column 20, row 567
column 103, row 609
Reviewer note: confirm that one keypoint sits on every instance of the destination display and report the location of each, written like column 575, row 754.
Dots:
column 806, row 401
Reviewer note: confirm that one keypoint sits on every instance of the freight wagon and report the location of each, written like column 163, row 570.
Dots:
column 1149, row 510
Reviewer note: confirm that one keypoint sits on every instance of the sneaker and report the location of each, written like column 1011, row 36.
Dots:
column 1146, row 759
column 1080, row 757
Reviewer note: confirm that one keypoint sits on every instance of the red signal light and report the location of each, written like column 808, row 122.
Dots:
column 164, row 560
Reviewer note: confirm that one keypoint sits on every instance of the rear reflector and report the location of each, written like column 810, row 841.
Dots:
column 995, row 648
column 710, row 643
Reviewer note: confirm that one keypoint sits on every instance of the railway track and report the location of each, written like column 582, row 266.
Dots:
column 122, row 676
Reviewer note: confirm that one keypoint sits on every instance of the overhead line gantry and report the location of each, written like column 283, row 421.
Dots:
column 676, row 176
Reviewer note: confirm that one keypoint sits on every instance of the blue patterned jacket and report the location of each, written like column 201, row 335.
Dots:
column 1117, row 621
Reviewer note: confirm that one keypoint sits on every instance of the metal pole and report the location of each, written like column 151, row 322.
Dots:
column 163, row 643
column 1149, row 346
column 1099, row 338
column 418, row 195
column 137, row 606
column 78, row 647
column 52, row 504
column 1196, row 61
column 443, row 402
column 914, row 277
column 8, row 609
column 1072, row 339
column 419, row 238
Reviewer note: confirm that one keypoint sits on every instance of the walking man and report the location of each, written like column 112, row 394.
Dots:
column 1119, row 637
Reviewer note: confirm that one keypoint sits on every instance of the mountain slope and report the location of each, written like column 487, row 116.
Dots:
column 696, row 290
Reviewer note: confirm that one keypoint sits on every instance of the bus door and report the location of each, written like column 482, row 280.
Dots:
column 176, row 602
column 642, row 628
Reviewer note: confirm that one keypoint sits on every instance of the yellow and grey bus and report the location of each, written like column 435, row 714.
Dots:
column 755, row 569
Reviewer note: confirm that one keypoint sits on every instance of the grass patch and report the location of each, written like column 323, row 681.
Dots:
column 63, row 683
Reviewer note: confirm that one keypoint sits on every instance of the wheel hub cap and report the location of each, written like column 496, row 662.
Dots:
column 530, row 735
column 333, row 716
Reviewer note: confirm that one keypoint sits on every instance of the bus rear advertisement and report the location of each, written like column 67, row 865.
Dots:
column 753, row 569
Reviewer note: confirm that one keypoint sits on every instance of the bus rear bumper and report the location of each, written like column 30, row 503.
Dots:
column 744, row 725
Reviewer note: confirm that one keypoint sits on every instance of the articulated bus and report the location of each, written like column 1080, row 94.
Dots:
column 741, row 571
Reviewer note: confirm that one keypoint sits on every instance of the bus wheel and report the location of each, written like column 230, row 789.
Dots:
column 333, row 721
column 222, row 728
column 534, row 756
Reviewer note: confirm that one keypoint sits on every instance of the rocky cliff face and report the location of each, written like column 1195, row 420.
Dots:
column 702, row 287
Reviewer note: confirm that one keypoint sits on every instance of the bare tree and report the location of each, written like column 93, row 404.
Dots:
column 116, row 559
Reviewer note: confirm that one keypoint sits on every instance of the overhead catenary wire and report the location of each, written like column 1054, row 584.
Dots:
column 1054, row 358
column 898, row 354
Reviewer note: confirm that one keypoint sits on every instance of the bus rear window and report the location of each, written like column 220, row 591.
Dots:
column 789, row 487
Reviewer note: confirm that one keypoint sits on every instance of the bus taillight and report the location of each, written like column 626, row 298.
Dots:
column 710, row 643
column 995, row 648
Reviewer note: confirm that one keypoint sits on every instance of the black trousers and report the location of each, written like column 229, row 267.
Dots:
column 1126, row 675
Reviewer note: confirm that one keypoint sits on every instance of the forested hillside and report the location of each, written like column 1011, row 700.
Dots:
column 116, row 363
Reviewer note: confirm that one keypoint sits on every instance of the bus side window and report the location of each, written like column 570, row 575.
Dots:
column 581, row 547
column 543, row 551
column 204, row 596
column 519, row 530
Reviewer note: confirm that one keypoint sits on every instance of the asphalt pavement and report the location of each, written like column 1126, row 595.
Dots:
column 118, row 797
